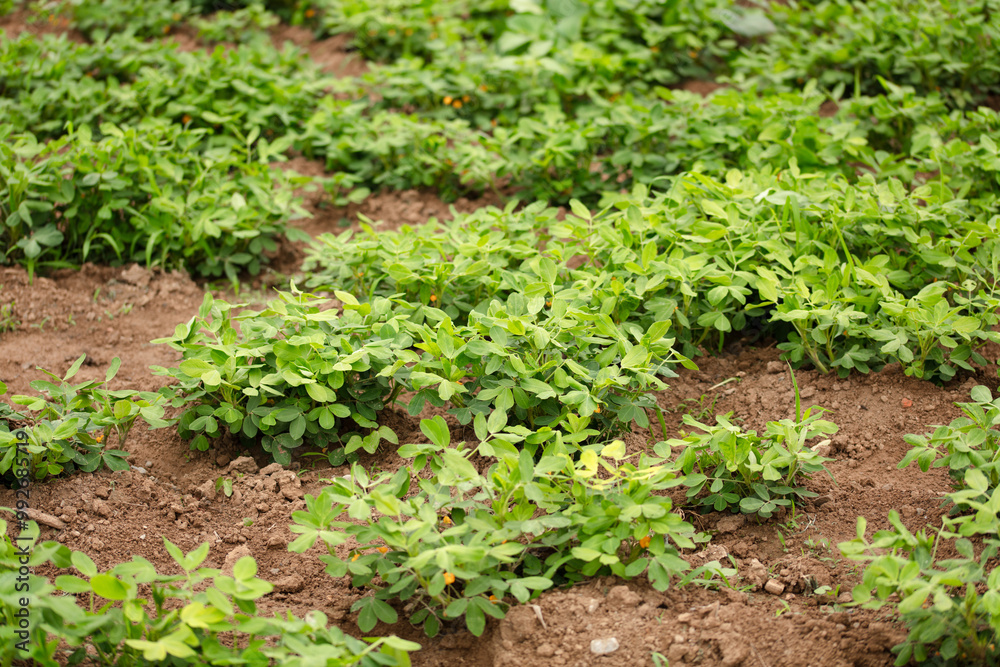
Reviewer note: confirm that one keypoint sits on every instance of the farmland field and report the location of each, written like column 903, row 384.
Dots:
column 510, row 332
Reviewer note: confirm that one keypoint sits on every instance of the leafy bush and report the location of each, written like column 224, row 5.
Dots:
column 466, row 544
column 143, row 194
column 199, row 618
column 968, row 443
column 538, row 361
column 934, row 45
column 950, row 605
column 73, row 423
column 758, row 474
column 292, row 374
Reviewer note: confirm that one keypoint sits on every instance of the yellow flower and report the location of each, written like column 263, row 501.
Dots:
column 166, row 29
column 494, row 599
column 383, row 550
column 465, row 98
column 597, row 410
column 355, row 557
column 186, row 119
column 100, row 437
column 310, row 13
column 433, row 298
column 445, row 519
column 644, row 542
column 483, row 87
column 447, row 100
column 457, row 104
column 449, row 578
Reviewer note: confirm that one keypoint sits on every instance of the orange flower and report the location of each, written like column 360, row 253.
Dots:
column 465, row 98
column 434, row 297
column 166, row 29
column 186, row 119
column 597, row 410
column 310, row 13
column 493, row 122
column 654, row 49
column 548, row 303
column 100, row 437
column 355, row 557
column 449, row 578
column 494, row 599
column 383, row 550
column 457, row 104
column 446, row 520
column 693, row 54
column 483, row 87
column 644, row 542
column 447, row 100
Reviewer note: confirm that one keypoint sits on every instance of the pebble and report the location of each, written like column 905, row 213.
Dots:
column 604, row 646
column 546, row 650
column 774, row 587
column 138, row 469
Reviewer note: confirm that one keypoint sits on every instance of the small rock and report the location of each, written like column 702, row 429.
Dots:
column 271, row 468
column 807, row 392
column 138, row 469
column 102, row 492
column 243, row 464
column 774, row 587
column 519, row 624
column 603, row 646
column 775, row 367
column 222, row 460
column 45, row 519
column 623, row 597
column 293, row 583
column 592, row 605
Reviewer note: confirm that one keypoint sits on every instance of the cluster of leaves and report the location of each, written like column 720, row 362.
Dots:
column 465, row 544
column 968, row 443
column 199, row 617
column 49, row 82
column 292, row 373
column 935, row 45
column 73, row 423
column 299, row 373
column 141, row 193
column 725, row 467
column 951, row 605
column 847, row 275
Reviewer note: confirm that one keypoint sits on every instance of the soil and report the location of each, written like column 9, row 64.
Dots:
column 170, row 492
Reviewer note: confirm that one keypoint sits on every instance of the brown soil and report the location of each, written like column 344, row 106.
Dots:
column 113, row 516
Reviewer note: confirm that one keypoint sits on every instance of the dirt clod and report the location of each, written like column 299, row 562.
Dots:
column 774, row 587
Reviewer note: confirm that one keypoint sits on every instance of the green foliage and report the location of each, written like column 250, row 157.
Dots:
column 200, row 617
column 465, row 544
column 74, row 421
column 292, row 374
column 968, row 443
column 727, row 468
column 936, row 45
column 140, row 194
column 538, row 361
column 949, row 605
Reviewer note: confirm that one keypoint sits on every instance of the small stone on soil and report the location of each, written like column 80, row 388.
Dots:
column 604, row 646
column 774, row 587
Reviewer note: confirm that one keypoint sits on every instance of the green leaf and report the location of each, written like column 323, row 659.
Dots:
column 436, row 429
